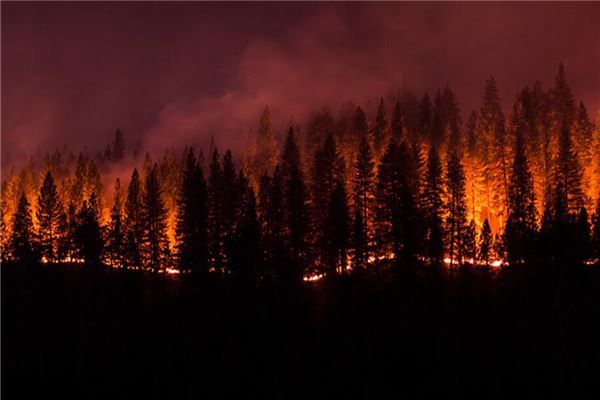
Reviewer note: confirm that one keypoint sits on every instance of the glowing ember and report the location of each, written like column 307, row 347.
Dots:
column 313, row 278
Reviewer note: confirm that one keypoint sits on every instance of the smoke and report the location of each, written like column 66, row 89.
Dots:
column 177, row 74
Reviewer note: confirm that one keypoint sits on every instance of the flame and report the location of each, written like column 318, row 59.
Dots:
column 313, row 277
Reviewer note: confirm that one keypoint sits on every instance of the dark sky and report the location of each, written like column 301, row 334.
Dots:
column 171, row 74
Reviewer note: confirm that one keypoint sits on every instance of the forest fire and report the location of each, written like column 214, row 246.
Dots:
column 348, row 194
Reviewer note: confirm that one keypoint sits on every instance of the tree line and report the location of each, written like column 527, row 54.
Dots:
column 419, row 189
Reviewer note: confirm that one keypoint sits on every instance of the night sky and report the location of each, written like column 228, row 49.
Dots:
column 171, row 74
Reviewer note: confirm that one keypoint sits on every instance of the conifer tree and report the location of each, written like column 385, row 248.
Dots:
column 520, row 229
column 492, row 128
column 155, row 245
column 363, row 188
column 432, row 206
column 49, row 215
column 22, row 242
column 192, row 217
column 115, row 246
column 328, row 168
column 396, row 208
column 133, row 227
column 88, row 233
column 295, row 205
column 456, row 209
column 245, row 253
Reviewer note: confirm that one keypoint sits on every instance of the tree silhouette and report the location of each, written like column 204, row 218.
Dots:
column 245, row 253
column 295, row 205
column 154, row 245
column 192, row 218
column 521, row 225
column 88, row 233
column 50, row 219
column 456, row 219
column 432, row 206
column 22, row 241
column 363, row 191
column 133, row 222
column 115, row 246
column 396, row 207
column 328, row 168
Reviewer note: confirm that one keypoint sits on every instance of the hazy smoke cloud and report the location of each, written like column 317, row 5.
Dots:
column 172, row 74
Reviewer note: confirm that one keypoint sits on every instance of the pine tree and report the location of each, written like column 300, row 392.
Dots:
column 396, row 225
column 88, row 233
column 363, row 188
column 485, row 244
column 115, row 246
column 520, row 229
column 328, row 168
column 245, row 253
column 49, row 215
column 492, row 128
column 22, row 242
column 155, row 245
column 133, row 227
column 432, row 206
column 192, row 217
column 456, row 214
column 295, row 205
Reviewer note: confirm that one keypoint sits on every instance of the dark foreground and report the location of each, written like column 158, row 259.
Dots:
column 70, row 331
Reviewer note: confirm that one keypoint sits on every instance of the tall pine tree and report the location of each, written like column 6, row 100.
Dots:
column 192, row 217
column 155, row 245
